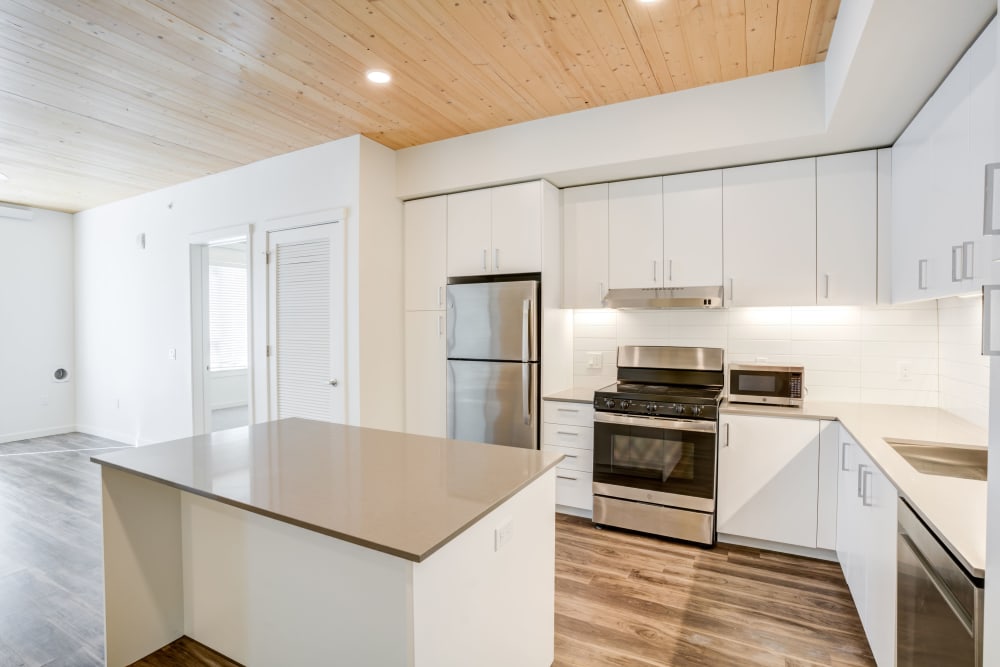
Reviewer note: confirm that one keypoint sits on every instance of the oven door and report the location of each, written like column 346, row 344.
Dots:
column 649, row 459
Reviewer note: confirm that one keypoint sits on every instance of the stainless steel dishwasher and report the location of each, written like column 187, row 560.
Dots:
column 939, row 606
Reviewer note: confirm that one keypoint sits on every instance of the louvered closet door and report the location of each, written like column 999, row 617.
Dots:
column 306, row 310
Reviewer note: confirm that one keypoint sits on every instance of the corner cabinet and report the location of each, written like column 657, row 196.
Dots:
column 585, row 246
column 495, row 231
column 769, row 234
column 866, row 545
column 938, row 176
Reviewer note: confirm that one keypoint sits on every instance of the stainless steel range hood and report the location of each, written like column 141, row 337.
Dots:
column 664, row 297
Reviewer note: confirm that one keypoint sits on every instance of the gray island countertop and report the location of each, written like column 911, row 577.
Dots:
column 405, row 495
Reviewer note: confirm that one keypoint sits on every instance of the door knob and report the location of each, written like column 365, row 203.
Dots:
column 333, row 383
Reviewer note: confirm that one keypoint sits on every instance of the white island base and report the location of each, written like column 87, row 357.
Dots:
column 263, row 591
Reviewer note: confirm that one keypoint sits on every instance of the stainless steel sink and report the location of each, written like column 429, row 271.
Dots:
column 938, row 458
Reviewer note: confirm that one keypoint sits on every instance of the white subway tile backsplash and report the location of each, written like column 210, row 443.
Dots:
column 849, row 353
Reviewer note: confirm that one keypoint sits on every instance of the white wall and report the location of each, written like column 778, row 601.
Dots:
column 133, row 304
column 36, row 325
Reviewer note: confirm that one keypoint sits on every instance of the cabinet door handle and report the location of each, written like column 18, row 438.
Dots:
column 827, row 291
column 843, row 456
column 570, row 456
column 922, row 274
column 572, row 479
column 496, row 259
column 670, row 270
column 861, row 474
column 568, row 433
column 440, row 325
column 968, row 259
column 484, row 259
column 991, row 175
column 726, row 429
column 566, row 410
column 600, row 293
column 731, row 289
column 654, row 270
column 866, row 488
column 988, row 350
column 441, row 296
column 956, row 264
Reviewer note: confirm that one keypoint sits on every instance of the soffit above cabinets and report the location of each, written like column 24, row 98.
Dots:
column 101, row 101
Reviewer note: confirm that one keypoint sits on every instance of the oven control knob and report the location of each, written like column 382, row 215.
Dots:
column 625, row 405
column 679, row 409
column 609, row 402
column 696, row 411
column 651, row 408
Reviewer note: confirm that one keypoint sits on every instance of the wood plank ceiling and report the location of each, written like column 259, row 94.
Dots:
column 101, row 99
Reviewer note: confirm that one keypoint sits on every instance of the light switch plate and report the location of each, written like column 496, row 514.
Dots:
column 595, row 360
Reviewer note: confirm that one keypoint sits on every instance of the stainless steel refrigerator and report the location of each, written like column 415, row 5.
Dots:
column 493, row 362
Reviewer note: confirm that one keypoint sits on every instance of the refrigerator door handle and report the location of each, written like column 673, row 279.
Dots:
column 526, row 393
column 526, row 330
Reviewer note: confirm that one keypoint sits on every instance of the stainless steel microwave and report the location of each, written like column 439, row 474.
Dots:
column 770, row 385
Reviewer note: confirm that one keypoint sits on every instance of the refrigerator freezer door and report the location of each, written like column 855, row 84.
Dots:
column 495, row 321
column 494, row 402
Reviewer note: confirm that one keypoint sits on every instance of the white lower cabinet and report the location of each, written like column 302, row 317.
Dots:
column 568, row 429
column 769, row 479
column 866, row 545
column 426, row 372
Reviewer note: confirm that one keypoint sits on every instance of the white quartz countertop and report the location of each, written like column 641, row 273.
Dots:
column 955, row 509
column 574, row 395
column 405, row 495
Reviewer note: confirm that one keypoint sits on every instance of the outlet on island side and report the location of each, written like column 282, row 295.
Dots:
column 503, row 534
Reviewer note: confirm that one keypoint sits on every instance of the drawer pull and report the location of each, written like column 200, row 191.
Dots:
column 567, row 433
column 572, row 479
column 566, row 410
column 570, row 456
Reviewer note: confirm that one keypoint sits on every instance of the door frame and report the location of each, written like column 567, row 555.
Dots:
column 198, row 244
column 265, row 392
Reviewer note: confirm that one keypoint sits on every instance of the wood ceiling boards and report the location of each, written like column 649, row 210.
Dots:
column 102, row 100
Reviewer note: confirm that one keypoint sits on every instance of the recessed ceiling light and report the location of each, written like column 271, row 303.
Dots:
column 378, row 76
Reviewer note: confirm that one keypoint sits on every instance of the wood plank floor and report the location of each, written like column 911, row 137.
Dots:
column 629, row 599
column 622, row 599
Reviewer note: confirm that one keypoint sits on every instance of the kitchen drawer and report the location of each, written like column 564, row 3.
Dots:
column 576, row 459
column 578, row 437
column 575, row 489
column 565, row 412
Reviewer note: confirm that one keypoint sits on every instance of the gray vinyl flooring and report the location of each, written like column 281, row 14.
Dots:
column 51, row 574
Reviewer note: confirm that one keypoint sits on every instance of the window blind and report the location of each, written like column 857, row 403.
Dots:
column 227, row 317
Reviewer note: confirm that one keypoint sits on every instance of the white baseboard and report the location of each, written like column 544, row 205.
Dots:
column 108, row 434
column 820, row 554
column 40, row 433
column 574, row 511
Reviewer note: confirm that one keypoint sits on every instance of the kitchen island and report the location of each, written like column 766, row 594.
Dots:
column 298, row 542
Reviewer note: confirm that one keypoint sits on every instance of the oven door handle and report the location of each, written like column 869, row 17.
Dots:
column 698, row 426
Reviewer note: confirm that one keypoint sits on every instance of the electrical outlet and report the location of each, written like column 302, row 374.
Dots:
column 595, row 360
column 904, row 370
column 503, row 534
column 45, row 400
column 172, row 353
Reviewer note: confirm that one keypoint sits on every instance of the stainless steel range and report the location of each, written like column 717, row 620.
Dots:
column 656, row 442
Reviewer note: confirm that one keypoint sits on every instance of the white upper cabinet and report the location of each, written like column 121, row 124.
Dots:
column 495, row 230
column 938, row 176
column 635, row 210
column 425, row 224
column 769, row 234
column 692, row 229
column 469, row 233
column 585, row 245
column 846, row 229
column 517, row 228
